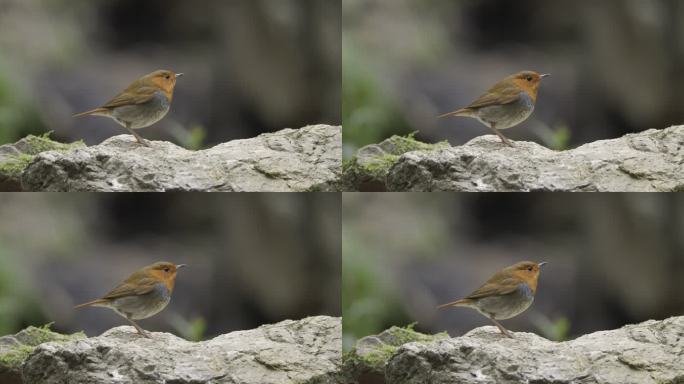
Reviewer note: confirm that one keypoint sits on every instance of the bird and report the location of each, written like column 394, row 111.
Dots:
column 506, row 294
column 506, row 104
column 143, row 294
column 141, row 104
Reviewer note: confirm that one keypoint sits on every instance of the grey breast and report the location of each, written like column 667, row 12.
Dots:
column 509, row 115
column 143, row 306
column 507, row 306
column 143, row 115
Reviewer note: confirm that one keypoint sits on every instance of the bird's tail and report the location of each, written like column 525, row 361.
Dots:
column 94, row 303
column 457, row 303
column 460, row 112
column 96, row 111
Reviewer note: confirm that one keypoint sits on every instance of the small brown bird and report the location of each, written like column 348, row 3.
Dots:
column 143, row 294
column 506, row 294
column 143, row 103
column 507, row 104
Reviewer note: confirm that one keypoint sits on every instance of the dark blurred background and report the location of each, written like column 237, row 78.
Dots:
column 614, row 259
column 252, row 259
column 251, row 66
column 617, row 66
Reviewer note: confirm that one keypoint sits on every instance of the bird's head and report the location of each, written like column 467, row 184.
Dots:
column 164, row 272
column 164, row 80
column 527, row 271
column 529, row 81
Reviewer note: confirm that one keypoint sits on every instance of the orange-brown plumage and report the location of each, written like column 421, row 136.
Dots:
column 142, row 103
column 506, row 294
column 506, row 104
column 143, row 294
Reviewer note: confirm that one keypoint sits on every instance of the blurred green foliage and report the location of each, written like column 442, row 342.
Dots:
column 193, row 330
column 368, row 304
column 193, row 139
column 369, row 115
column 19, row 304
column 18, row 117
column 557, row 329
column 557, row 137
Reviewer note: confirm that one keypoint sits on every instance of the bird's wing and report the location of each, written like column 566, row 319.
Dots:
column 132, row 288
column 496, row 288
column 497, row 95
column 132, row 96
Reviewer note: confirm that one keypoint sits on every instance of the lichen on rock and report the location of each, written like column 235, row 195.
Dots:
column 368, row 170
column 14, row 158
column 14, row 349
column 371, row 354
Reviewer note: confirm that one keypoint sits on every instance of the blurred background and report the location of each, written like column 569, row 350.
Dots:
column 614, row 259
column 252, row 259
column 617, row 67
column 251, row 66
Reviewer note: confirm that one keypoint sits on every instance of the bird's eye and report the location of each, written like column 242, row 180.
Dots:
column 166, row 269
column 530, row 269
column 529, row 78
column 167, row 77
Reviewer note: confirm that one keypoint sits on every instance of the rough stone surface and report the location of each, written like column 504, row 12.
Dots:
column 291, row 160
column 304, row 351
column 652, row 161
column 368, row 360
column 650, row 352
column 15, row 157
column 14, row 349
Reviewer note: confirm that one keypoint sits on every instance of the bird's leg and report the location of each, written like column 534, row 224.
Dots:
column 140, row 330
column 501, row 328
column 503, row 138
column 137, row 137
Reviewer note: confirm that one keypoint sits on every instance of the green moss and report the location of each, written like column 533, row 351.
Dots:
column 30, row 338
column 379, row 167
column 16, row 356
column 393, row 339
column 408, row 143
column 376, row 168
column 13, row 165
column 43, row 143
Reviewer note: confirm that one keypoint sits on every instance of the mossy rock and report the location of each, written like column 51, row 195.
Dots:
column 14, row 158
column 368, row 359
column 15, row 349
column 368, row 170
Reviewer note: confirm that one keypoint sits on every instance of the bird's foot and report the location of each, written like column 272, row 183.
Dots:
column 143, row 142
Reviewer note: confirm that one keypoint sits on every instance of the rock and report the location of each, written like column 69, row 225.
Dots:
column 650, row 352
column 15, row 157
column 14, row 349
column 304, row 351
column 368, row 170
column 652, row 161
column 368, row 360
column 297, row 160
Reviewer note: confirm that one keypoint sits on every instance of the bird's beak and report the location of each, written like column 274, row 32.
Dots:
column 542, row 76
column 180, row 266
column 179, row 74
column 542, row 263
